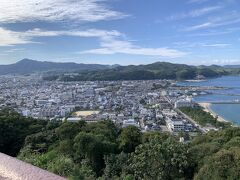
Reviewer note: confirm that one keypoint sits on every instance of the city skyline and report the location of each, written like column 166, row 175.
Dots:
column 120, row 32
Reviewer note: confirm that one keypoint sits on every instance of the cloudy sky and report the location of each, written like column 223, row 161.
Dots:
column 120, row 31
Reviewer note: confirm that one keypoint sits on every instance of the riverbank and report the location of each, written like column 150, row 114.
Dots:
column 207, row 108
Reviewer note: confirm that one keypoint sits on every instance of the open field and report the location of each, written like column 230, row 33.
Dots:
column 85, row 113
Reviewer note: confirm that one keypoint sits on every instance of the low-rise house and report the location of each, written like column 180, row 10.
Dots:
column 130, row 122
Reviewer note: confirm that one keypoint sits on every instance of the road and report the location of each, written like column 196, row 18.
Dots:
column 187, row 117
column 192, row 121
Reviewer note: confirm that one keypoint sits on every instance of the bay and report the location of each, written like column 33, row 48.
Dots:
column 230, row 112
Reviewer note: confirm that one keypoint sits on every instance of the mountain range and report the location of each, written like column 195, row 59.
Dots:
column 158, row 70
column 93, row 72
column 28, row 66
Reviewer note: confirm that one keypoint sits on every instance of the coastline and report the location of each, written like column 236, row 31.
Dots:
column 206, row 107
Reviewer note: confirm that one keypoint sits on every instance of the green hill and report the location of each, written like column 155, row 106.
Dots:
column 28, row 66
column 158, row 70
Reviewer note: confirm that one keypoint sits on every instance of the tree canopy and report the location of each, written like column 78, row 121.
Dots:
column 105, row 151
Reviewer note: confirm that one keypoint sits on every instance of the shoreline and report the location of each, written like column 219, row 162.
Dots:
column 206, row 107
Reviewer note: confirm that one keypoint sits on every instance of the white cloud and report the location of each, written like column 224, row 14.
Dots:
column 200, row 26
column 10, row 38
column 111, row 42
column 13, row 50
column 198, row 44
column 112, row 45
column 203, row 1
column 203, row 11
column 219, row 21
column 216, row 45
column 163, row 52
column 197, row 1
column 56, row 10
column 195, row 13
column 87, row 33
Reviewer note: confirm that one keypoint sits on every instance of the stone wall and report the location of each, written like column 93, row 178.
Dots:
column 14, row 169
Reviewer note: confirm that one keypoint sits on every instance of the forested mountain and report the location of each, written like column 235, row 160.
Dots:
column 105, row 151
column 27, row 66
column 159, row 70
column 92, row 72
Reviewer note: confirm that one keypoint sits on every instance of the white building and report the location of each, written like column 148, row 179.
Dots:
column 169, row 113
column 130, row 122
column 175, row 126
column 183, row 103
column 40, row 102
column 26, row 113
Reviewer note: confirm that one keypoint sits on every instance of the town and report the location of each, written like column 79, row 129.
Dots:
column 149, row 105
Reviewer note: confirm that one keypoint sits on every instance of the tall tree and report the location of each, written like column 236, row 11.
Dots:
column 129, row 138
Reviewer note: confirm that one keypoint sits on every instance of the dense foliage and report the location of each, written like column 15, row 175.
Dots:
column 217, row 155
column 102, row 150
column 203, row 118
column 159, row 70
column 14, row 129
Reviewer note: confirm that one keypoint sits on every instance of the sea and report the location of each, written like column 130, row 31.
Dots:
column 229, row 111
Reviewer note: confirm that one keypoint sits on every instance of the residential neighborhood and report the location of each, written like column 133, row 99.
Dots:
column 150, row 105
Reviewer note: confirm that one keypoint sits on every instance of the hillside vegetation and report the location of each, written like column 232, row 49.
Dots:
column 104, row 151
column 159, row 70
column 204, row 118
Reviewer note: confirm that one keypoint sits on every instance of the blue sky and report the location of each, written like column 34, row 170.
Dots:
column 121, row 31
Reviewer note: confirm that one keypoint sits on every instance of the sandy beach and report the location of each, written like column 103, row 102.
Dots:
column 207, row 108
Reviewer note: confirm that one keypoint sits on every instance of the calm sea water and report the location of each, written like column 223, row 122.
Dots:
column 230, row 112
